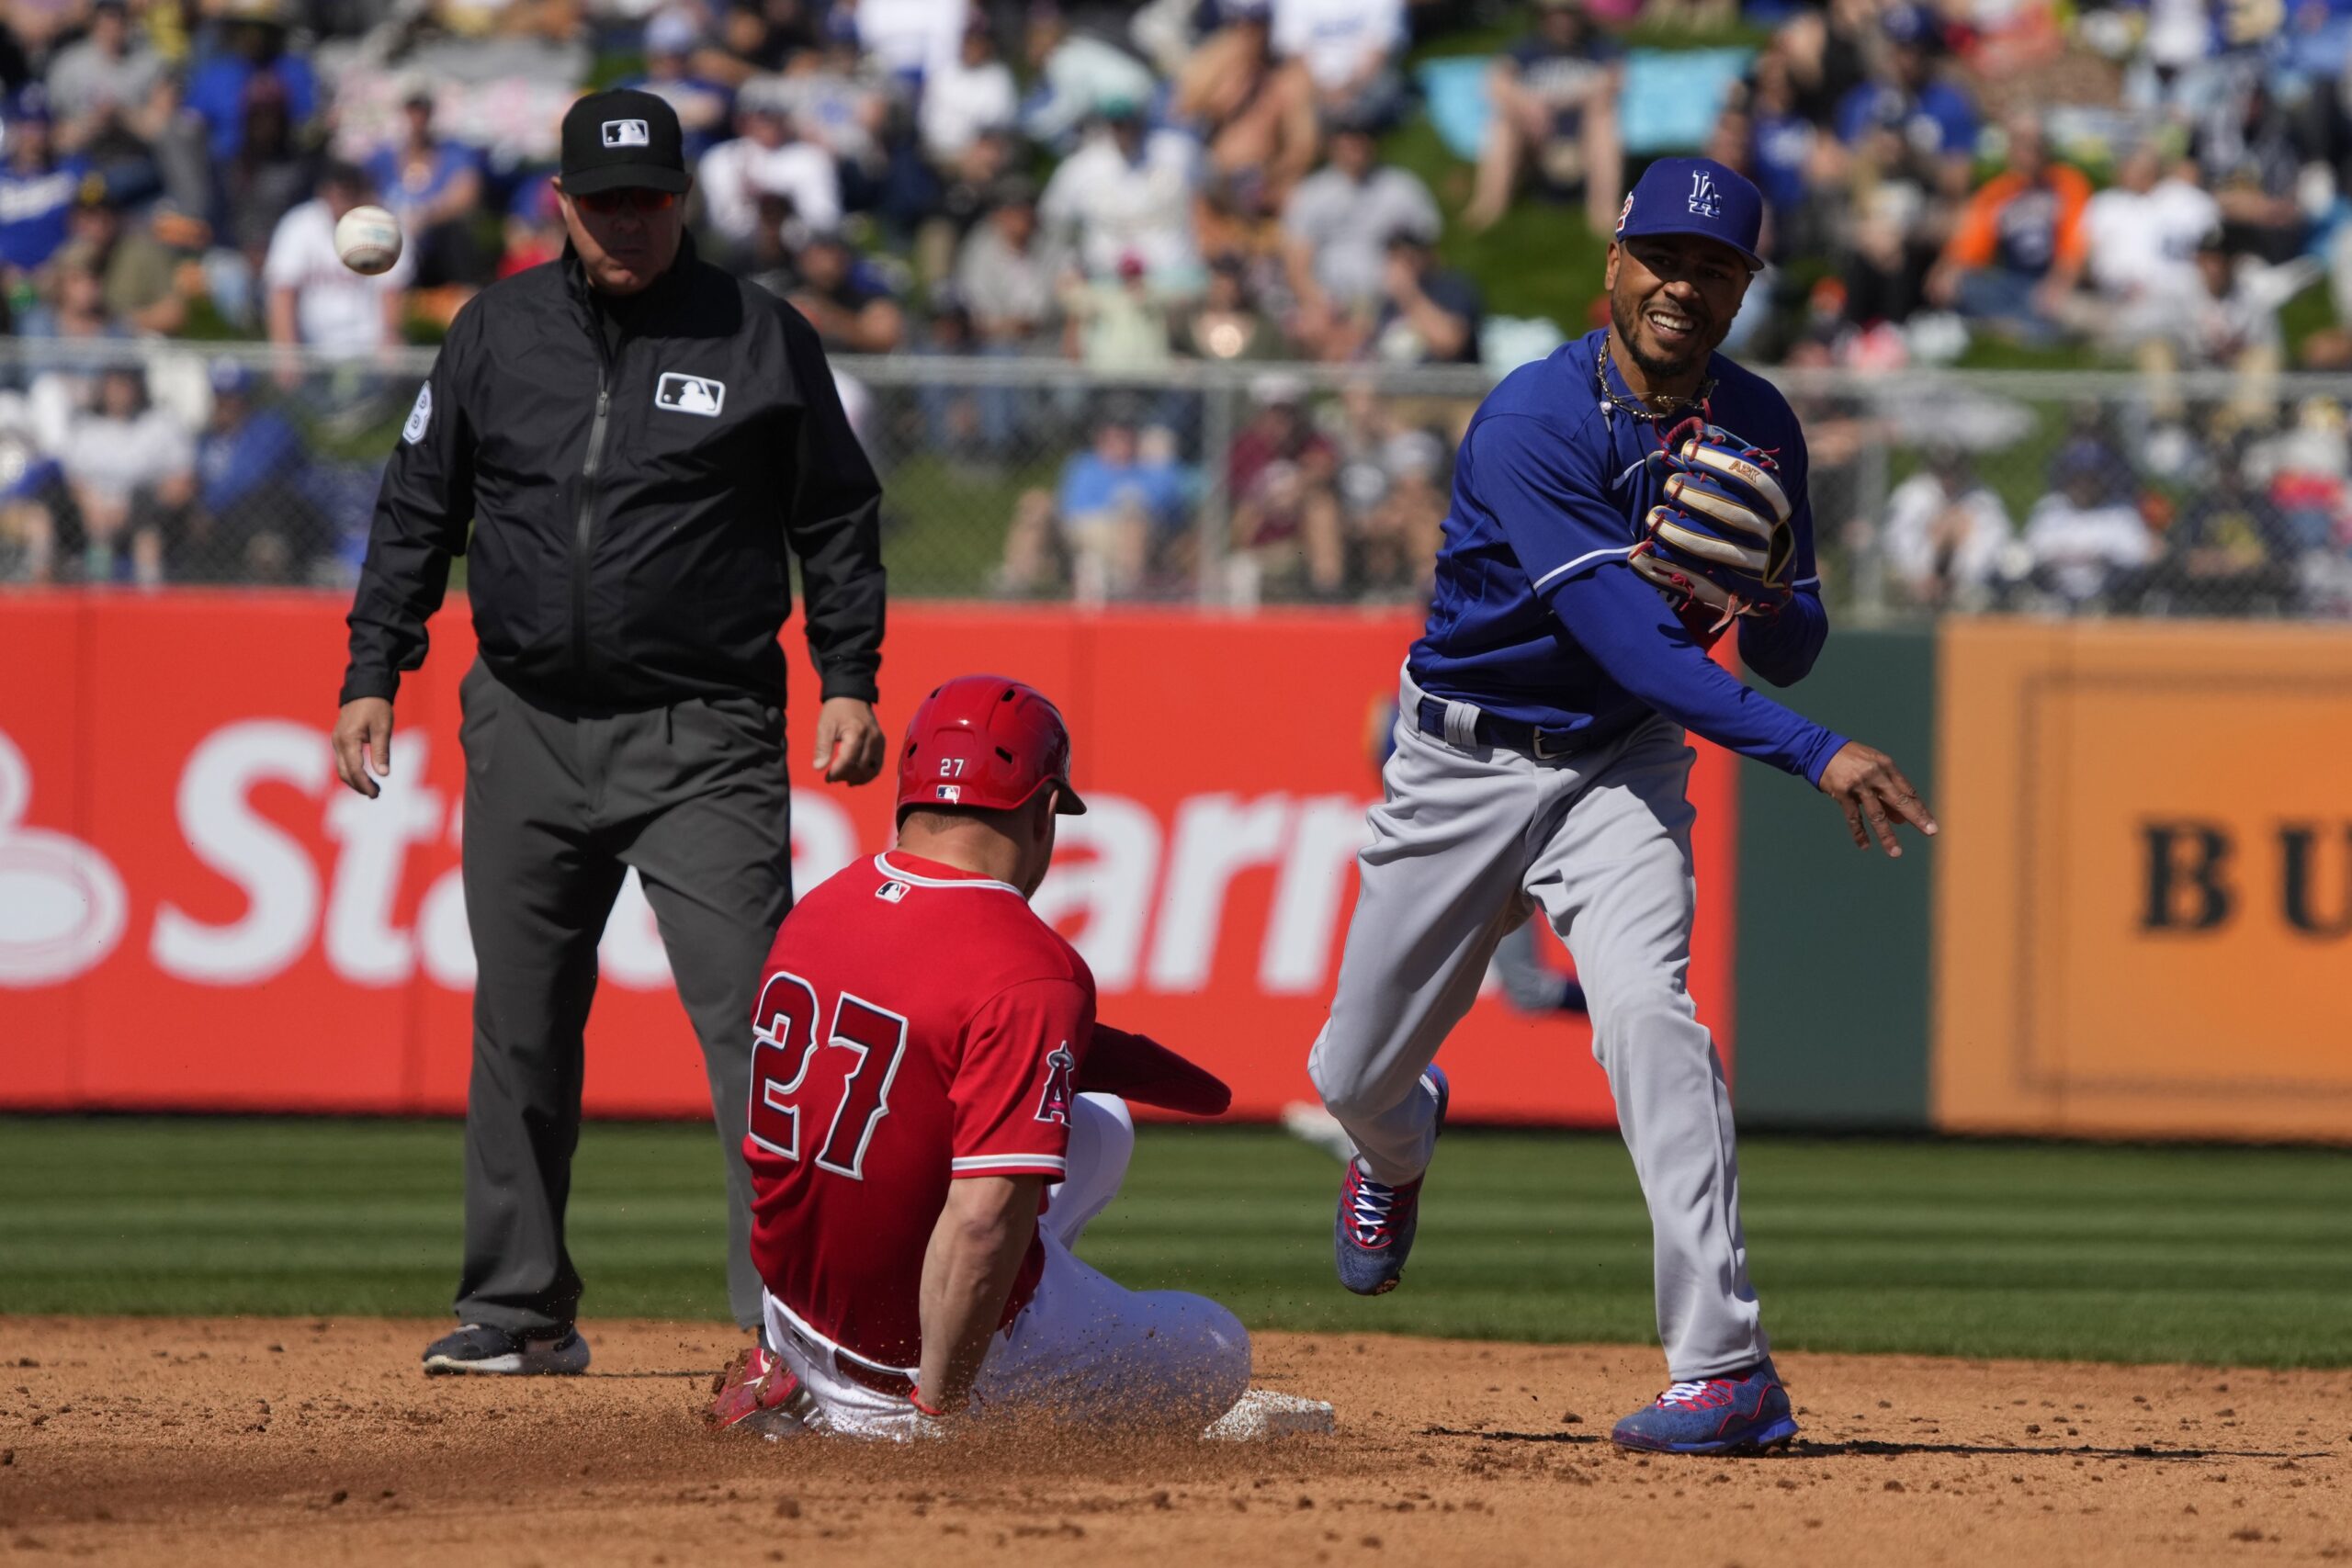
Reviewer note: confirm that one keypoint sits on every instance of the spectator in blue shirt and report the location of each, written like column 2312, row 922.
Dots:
column 36, row 186
column 1117, row 476
column 433, row 188
column 1782, row 156
column 704, row 107
column 845, row 297
column 2231, row 551
column 1102, row 519
column 1935, row 116
column 254, row 521
column 254, row 45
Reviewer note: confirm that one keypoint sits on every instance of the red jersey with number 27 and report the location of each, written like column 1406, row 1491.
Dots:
column 916, row 1023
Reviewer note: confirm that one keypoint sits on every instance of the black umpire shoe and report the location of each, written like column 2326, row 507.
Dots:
column 479, row 1347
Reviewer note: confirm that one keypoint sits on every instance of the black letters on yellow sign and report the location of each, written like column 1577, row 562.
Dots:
column 2188, row 885
column 2299, row 849
column 2185, row 889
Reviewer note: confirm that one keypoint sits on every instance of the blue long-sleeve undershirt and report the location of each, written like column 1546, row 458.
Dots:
column 1783, row 647
column 1639, row 642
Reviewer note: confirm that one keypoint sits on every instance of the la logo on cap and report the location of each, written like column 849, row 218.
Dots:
column 1705, row 200
column 627, row 133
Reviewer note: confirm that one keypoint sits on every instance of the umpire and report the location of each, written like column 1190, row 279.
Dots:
column 638, row 439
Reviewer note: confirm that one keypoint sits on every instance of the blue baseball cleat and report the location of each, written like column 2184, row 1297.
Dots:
column 1373, row 1234
column 1743, row 1412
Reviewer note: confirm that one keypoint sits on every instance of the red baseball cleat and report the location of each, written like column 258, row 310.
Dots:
column 757, row 1392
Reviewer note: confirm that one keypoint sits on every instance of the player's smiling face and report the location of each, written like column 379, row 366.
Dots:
column 1671, row 299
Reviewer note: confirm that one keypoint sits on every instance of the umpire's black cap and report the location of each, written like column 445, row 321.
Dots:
column 621, row 138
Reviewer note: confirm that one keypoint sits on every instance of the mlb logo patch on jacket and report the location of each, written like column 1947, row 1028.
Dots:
column 690, row 394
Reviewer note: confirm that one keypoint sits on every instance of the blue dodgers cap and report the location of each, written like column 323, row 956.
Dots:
column 1695, row 196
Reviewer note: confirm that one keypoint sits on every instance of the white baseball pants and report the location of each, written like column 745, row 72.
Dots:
column 1085, row 1349
column 1465, row 841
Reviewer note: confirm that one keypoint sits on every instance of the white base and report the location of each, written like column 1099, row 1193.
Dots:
column 1262, row 1413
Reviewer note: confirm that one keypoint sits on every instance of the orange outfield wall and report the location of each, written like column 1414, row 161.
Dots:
column 194, row 915
column 2143, row 908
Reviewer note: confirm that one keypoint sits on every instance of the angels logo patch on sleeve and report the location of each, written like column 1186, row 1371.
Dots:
column 1053, row 1105
column 420, row 416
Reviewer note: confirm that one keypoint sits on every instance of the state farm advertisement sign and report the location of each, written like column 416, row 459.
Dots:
column 194, row 914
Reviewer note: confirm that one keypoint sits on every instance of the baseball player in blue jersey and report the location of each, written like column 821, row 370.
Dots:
column 1616, row 507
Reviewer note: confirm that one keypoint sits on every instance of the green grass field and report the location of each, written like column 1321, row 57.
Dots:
column 2125, row 1254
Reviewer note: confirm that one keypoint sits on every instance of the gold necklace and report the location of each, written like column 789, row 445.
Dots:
column 1640, row 408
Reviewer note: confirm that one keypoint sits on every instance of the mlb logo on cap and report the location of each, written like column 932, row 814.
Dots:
column 1696, row 196
column 622, row 139
column 951, row 793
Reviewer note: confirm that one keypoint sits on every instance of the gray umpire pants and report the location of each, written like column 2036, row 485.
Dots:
column 1466, row 840
column 557, row 809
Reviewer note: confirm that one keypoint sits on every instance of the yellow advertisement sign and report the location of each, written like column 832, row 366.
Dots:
column 2143, row 904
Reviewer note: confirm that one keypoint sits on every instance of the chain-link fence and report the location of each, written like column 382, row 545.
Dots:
column 2081, row 493
column 1231, row 485
column 158, row 463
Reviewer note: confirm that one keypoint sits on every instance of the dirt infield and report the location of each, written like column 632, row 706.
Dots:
column 272, row 1440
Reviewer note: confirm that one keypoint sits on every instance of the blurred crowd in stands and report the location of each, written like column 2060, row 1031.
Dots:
column 2251, row 525
column 1129, row 187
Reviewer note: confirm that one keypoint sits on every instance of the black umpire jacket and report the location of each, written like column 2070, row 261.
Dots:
column 631, row 508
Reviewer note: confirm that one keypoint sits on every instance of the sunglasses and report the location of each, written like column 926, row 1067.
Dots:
column 606, row 203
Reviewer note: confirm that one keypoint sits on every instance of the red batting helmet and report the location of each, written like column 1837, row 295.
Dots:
column 985, row 740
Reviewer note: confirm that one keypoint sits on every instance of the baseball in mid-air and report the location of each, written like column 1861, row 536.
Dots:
column 368, row 240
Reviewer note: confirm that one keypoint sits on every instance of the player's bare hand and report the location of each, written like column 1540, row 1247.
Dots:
column 363, row 743
column 1873, row 794
column 849, row 741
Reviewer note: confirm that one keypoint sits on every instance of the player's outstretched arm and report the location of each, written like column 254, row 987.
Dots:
column 984, row 1231
column 1640, row 643
column 1875, row 795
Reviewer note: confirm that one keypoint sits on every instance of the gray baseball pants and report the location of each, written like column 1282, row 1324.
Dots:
column 557, row 809
column 1466, row 840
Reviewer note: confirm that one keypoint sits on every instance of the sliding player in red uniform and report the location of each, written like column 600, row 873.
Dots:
column 924, row 1043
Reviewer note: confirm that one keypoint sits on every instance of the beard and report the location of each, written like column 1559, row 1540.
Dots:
column 1625, row 315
